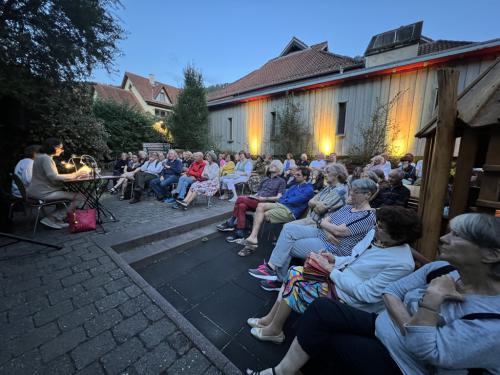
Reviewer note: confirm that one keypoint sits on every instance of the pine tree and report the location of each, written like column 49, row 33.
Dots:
column 189, row 120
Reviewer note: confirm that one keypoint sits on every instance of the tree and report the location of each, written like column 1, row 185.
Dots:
column 128, row 128
column 188, row 122
column 294, row 135
column 378, row 136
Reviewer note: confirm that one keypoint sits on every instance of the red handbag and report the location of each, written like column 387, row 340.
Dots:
column 82, row 220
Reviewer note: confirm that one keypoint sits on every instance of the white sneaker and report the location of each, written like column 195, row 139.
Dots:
column 63, row 224
column 49, row 223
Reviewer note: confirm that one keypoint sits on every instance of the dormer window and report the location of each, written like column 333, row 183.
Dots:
column 161, row 97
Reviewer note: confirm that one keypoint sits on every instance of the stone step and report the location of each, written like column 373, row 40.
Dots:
column 143, row 255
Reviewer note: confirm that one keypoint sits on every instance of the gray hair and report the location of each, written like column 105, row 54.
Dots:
column 339, row 169
column 371, row 175
column 399, row 173
column 212, row 156
column 278, row 164
column 480, row 229
column 173, row 152
column 365, row 184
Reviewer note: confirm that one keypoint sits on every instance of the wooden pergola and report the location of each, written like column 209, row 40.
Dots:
column 474, row 117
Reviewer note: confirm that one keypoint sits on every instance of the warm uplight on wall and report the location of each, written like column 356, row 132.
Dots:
column 324, row 127
column 255, row 126
column 326, row 146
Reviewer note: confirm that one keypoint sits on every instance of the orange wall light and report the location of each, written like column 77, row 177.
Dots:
column 255, row 126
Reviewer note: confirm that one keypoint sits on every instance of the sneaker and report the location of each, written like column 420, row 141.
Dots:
column 264, row 273
column 225, row 227
column 169, row 200
column 238, row 235
column 271, row 286
column 49, row 223
column 134, row 200
column 175, row 206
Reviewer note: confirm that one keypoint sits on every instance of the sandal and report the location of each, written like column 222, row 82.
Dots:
column 257, row 333
column 252, row 372
column 246, row 251
column 245, row 242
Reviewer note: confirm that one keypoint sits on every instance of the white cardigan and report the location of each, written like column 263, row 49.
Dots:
column 361, row 277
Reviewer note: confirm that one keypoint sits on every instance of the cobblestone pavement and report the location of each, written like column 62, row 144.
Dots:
column 83, row 310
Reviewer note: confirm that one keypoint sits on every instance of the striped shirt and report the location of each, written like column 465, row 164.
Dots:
column 359, row 223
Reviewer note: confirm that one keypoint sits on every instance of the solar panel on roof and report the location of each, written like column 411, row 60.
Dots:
column 404, row 35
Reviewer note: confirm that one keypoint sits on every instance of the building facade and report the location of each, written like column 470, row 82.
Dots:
column 338, row 95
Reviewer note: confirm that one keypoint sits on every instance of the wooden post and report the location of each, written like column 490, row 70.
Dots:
column 439, row 167
column 465, row 163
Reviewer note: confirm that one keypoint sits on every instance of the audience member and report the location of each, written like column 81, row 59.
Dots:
column 288, row 208
column 147, row 172
column 377, row 162
column 120, row 164
column 409, row 170
column 208, row 183
column 303, row 162
column 192, row 174
column 318, row 163
column 258, row 173
column 332, row 158
column 395, row 194
column 241, row 175
column 330, row 198
column 169, row 175
column 271, row 189
column 383, row 256
column 24, row 169
column 269, row 159
column 290, row 180
column 187, row 160
column 419, row 172
column 228, row 166
column 437, row 320
column 289, row 163
column 387, row 165
column 337, row 233
column 45, row 183
column 222, row 159
column 128, row 175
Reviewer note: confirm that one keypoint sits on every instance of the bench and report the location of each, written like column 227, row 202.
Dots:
column 155, row 147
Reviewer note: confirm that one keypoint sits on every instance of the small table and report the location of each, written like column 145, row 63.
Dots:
column 92, row 189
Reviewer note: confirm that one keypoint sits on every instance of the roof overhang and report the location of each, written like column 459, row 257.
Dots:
column 464, row 52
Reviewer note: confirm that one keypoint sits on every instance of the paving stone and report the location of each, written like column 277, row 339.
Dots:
column 116, row 274
column 16, row 328
column 212, row 371
column 11, row 301
column 75, row 279
column 102, row 269
column 103, row 322
column 156, row 332
column 156, row 361
column 3, row 317
column 123, row 356
column 51, row 263
column 62, row 343
column 21, row 286
column 135, row 305
column 56, row 275
column 116, row 285
column 133, row 290
column 111, row 301
column 27, row 364
column 93, row 252
column 51, row 286
column 88, row 297
column 93, row 369
column 59, row 366
column 32, row 339
column 179, row 342
column 53, row 312
column 92, row 350
column 77, row 317
column 85, row 265
column 192, row 363
column 104, row 259
column 97, row 281
column 130, row 327
column 153, row 313
column 28, row 308
column 63, row 294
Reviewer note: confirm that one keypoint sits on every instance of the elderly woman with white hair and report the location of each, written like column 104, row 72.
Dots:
column 337, row 233
column 209, row 183
column 443, row 318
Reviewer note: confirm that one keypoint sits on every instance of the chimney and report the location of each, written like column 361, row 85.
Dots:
column 152, row 81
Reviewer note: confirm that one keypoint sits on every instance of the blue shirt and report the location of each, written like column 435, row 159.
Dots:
column 297, row 197
column 174, row 170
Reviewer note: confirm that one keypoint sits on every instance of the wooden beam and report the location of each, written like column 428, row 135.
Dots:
column 465, row 163
column 439, row 167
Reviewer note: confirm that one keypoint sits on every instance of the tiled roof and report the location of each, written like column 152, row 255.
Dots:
column 440, row 45
column 149, row 92
column 313, row 61
column 116, row 94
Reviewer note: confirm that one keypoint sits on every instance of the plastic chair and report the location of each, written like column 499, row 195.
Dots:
column 39, row 204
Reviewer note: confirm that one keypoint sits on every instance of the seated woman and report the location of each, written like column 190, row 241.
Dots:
column 380, row 258
column 437, row 320
column 241, row 175
column 228, row 166
column 258, row 173
column 120, row 165
column 207, row 185
column 192, row 174
column 289, row 163
column 128, row 175
column 24, row 169
column 46, row 183
column 337, row 233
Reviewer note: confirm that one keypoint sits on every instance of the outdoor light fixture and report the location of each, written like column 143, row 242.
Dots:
column 87, row 162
